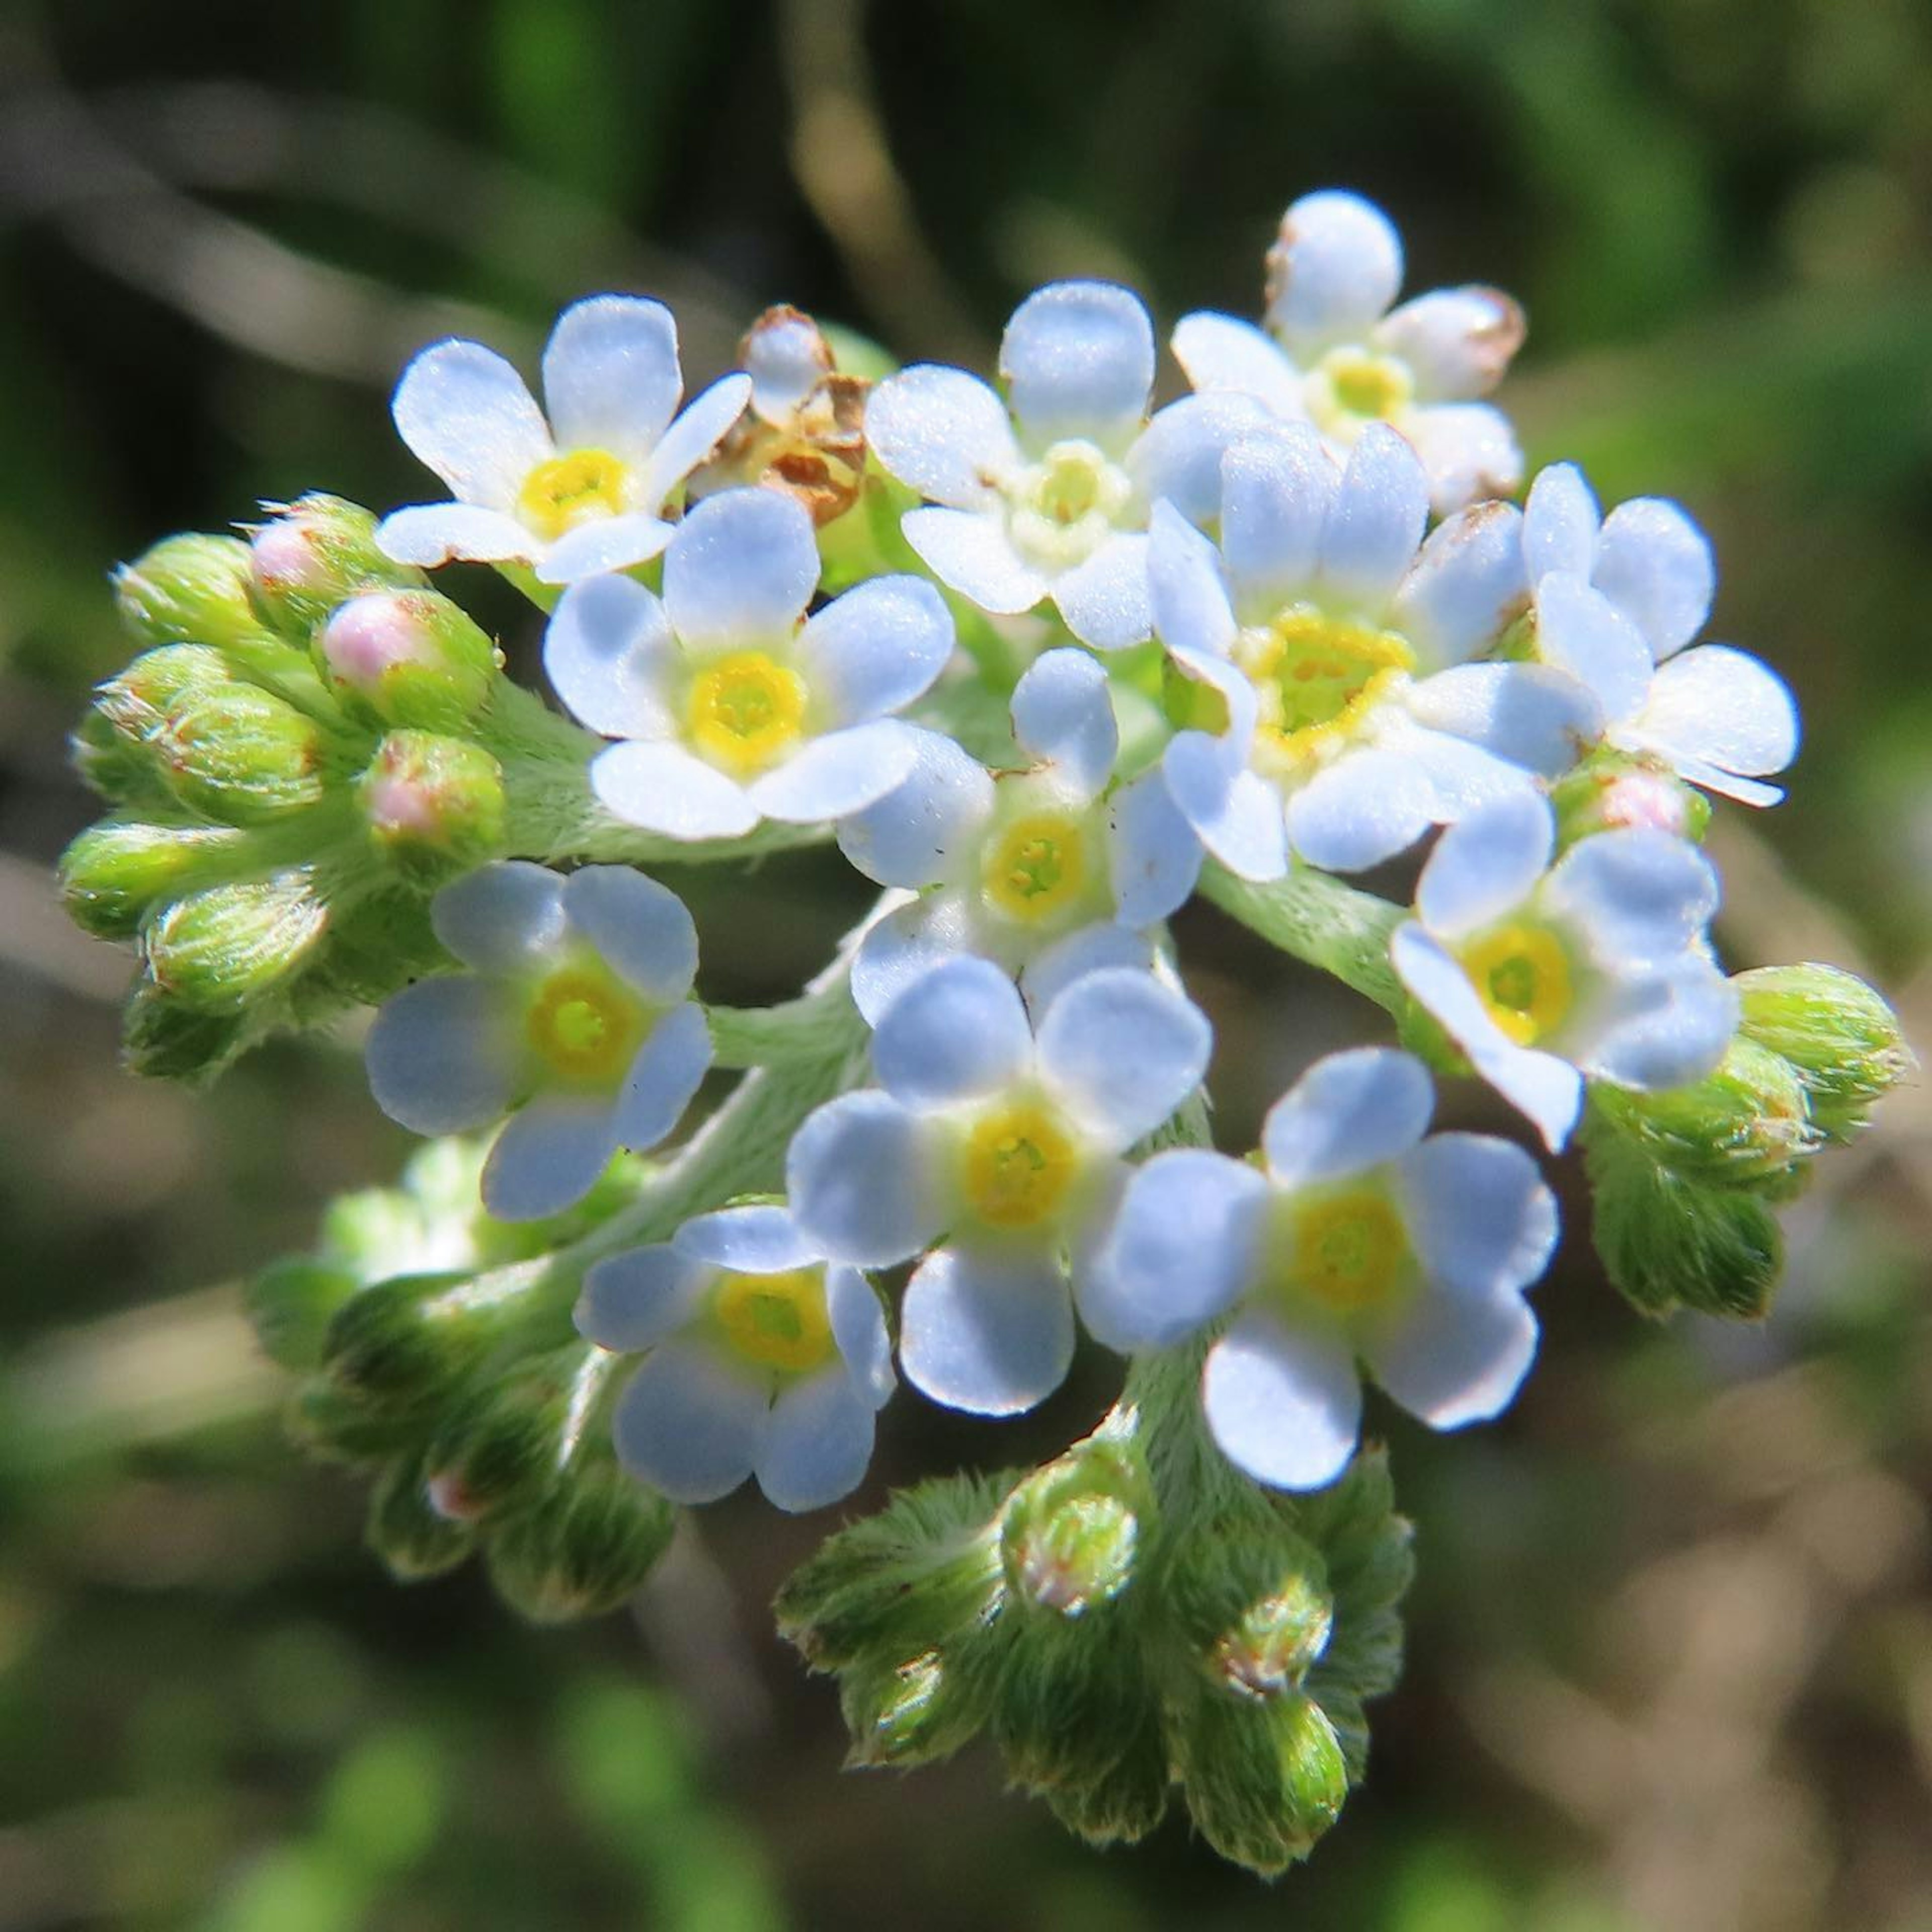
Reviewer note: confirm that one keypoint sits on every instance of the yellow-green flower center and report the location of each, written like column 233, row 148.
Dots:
column 1064, row 506
column 1523, row 974
column 1318, row 677
column 1035, row 867
column 585, row 1025
column 1344, row 1248
column 572, row 489
column 745, row 711
column 1353, row 385
column 776, row 1321
column 1020, row 1162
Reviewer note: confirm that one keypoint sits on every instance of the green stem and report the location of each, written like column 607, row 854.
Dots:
column 1322, row 922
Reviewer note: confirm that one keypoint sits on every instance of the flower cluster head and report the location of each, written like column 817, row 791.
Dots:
column 1042, row 663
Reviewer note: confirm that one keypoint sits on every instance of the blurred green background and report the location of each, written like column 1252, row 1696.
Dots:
column 1671, row 1644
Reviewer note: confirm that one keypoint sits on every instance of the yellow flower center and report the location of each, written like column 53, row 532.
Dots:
column 1522, row 974
column 570, row 490
column 1064, row 506
column 1358, row 383
column 1345, row 1248
column 1037, row 866
column 585, row 1026
column 745, row 710
column 1317, row 678
column 1020, row 1162
column 777, row 1321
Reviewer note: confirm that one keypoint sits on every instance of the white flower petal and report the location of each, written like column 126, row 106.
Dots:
column 1183, row 1249
column 1726, row 785
column 694, row 433
column 1560, row 522
column 1350, row 1111
column 1450, row 1361
column 610, row 375
column 786, row 357
column 1665, row 1030
column 1463, row 777
column 1187, row 591
column 1120, row 1050
column 608, row 544
column 637, row 926
column 1548, row 1090
column 1367, row 806
column 690, row 1424
column 1486, row 865
column 502, row 918
column 1104, row 602
column 1532, row 715
column 664, row 1076
column 439, row 1056
column 663, row 787
column 969, row 551
column 817, row 1443
column 1284, row 1405
column 1715, row 706
column 610, row 656
column 548, row 1157
column 1177, row 458
column 873, row 650
column 1468, row 450
column 1218, row 351
column 1481, row 1219
column 1581, row 632
column 464, row 412
column 860, row 1177
column 858, row 1327
column 1375, row 521
column 944, row 433
column 924, row 830
column 1236, row 814
column 430, row 534
column 958, row 1035
column 1655, row 564
column 842, row 772
column 904, row 946
column 1154, row 856
column 740, row 570
column 1063, row 716
column 1078, row 361
column 1087, row 948
column 1333, row 272
column 1457, row 342
column 1467, row 585
column 1638, row 893
column 634, row 1300
column 1277, row 492
column 760, row 1239
column 990, row 1334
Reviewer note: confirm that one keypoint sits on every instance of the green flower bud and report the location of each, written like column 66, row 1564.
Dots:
column 1121, row 1804
column 114, row 872
column 408, row 657
column 377, row 945
column 435, row 806
column 1070, row 1532
column 135, row 704
column 240, row 754
column 1269, row 1647
column 191, row 588
column 583, row 1547
column 163, row 1039
column 315, row 553
column 220, row 949
column 918, row 1710
column 1612, row 791
column 290, row 1304
column 1265, row 1778
column 1839, row 1036
column 1072, row 1699
column 502, row 1443
column 403, row 1344
column 412, row 1537
column 337, row 1427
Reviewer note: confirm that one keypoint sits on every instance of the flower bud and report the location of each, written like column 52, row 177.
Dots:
column 135, row 704
column 1070, row 1532
column 240, row 754
column 1271, row 1646
column 113, row 872
column 163, row 1039
column 502, row 1443
column 1121, row 1803
column 314, row 554
column 193, row 588
column 1611, row 791
column 409, row 657
column 404, row 1344
column 415, row 1539
column 219, row 948
column 327, row 1423
column 1838, row 1035
column 583, row 1547
column 290, row 1304
column 917, row 1710
column 435, row 806
column 1071, row 1699
column 1265, row 1778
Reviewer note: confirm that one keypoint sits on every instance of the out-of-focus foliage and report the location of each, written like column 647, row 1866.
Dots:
column 1671, row 1663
